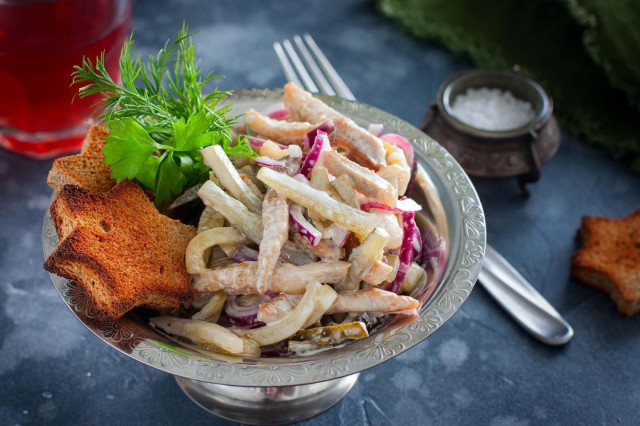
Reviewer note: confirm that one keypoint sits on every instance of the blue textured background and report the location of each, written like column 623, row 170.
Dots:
column 481, row 368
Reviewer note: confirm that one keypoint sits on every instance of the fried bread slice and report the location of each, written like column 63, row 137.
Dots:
column 86, row 169
column 120, row 249
column 609, row 259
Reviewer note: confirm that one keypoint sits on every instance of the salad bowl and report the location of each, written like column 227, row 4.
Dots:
column 285, row 389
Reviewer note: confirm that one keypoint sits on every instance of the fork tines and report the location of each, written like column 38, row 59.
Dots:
column 318, row 75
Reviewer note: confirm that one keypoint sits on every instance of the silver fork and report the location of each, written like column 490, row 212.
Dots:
column 510, row 289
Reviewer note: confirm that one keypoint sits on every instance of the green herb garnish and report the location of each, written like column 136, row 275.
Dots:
column 159, row 118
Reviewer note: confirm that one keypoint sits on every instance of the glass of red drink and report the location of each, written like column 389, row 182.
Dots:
column 40, row 42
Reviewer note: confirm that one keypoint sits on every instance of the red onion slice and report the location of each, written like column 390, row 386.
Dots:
column 375, row 205
column 337, row 234
column 402, row 143
column 406, row 252
column 244, row 253
column 258, row 142
column 404, row 205
column 277, row 111
column 416, row 242
column 433, row 253
column 281, row 114
column 255, row 142
column 302, row 225
column 320, row 143
column 243, row 315
column 326, row 127
column 270, row 162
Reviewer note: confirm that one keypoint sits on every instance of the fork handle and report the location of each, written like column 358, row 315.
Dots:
column 522, row 301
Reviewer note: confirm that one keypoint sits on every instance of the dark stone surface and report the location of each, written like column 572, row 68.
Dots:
column 481, row 368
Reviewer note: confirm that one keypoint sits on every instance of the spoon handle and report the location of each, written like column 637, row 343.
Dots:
column 522, row 301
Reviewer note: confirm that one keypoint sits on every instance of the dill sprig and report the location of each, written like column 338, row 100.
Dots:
column 158, row 116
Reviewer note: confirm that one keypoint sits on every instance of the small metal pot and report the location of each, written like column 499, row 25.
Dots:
column 516, row 152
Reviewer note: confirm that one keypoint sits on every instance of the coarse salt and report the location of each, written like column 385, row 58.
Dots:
column 491, row 109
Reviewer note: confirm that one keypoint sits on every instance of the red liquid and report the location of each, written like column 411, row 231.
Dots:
column 40, row 42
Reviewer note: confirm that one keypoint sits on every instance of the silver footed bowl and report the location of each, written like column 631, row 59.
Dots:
column 462, row 224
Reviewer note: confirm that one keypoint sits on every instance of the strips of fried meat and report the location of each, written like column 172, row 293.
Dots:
column 275, row 221
column 364, row 180
column 285, row 132
column 241, row 277
column 361, row 145
column 369, row 300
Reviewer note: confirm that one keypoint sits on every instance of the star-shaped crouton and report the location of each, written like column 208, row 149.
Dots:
column 610, row 259
column 86, row 169
column 120, row 249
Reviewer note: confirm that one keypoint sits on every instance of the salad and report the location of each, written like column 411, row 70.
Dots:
column 310, row 242
column 308, row 237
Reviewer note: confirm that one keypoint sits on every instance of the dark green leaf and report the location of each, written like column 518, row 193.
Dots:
column 199, row 164
column 148, row 175
column 171, row 181
column 128, row 148
column 192, row 134
column 188, row 167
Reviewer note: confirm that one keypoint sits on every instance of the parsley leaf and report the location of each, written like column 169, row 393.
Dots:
column 186, row 164
column 148, row 174
column 193, row 134
column 128, row 148
column 171, row 180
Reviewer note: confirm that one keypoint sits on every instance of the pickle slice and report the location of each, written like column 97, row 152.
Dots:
column 333, row 334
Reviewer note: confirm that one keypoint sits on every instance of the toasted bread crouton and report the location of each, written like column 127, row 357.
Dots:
column 86, row 169
column 120, row 249
column 609, row 259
